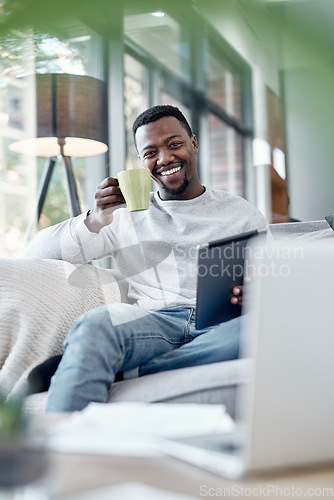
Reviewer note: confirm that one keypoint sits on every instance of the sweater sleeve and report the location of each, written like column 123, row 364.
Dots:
column 71, row 241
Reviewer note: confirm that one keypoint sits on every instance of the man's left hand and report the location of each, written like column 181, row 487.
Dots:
column 237, row 295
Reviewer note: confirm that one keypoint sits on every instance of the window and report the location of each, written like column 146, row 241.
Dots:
column 136, row 100
column 226, row 123
column 226, row 147
column 162, row 38
column 168, row 99
column 224, row 85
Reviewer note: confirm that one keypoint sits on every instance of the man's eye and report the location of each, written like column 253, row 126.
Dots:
column 175, row 144
column 149, row 154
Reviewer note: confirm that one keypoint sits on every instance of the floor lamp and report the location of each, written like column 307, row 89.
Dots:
column 71, row 113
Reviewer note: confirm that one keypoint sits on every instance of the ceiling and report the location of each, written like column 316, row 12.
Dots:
column 313, row 17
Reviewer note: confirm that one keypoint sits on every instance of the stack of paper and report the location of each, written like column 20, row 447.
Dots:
column 132, row 429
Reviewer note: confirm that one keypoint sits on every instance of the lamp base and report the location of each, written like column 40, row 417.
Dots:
column 71, row 188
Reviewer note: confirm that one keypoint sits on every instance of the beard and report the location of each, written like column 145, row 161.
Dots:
column 180, row 190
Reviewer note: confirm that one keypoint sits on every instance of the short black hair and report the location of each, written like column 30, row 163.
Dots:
column 157, row 112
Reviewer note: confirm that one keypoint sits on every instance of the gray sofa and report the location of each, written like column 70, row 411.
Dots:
column 213, row 383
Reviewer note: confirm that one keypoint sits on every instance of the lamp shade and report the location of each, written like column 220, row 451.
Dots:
column 71, row 117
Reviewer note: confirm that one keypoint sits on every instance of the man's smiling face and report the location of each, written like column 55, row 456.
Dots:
column 167, row 150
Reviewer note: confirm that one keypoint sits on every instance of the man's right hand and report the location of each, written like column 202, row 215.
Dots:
column 108, row 197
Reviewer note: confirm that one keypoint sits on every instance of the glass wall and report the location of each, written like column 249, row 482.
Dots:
column 73, row 49
column 17, row 175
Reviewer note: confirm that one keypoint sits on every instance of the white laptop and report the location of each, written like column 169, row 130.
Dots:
column 286, row 412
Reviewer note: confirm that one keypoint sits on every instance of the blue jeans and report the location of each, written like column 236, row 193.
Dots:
column 121, row 337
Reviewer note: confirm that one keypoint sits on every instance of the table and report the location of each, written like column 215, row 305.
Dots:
column 75, row 474
column 79, row 473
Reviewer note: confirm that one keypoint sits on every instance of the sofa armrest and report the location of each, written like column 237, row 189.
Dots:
column 286, row 229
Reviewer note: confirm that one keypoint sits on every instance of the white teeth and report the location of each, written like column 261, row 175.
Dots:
column 171, row 171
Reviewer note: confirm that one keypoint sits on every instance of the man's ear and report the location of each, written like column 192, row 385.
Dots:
column 195, row 143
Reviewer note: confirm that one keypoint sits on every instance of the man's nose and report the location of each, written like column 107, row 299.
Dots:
column 165, row 157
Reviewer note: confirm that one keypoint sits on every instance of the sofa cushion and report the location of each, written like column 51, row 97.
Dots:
column 213, row 383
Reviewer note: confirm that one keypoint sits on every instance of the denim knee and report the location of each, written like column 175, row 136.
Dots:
column 87, row 326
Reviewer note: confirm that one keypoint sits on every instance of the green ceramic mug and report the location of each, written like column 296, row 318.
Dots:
column 135, row 185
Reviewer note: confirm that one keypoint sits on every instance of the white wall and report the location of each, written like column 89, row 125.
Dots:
column 308, row 80
column 309, row 97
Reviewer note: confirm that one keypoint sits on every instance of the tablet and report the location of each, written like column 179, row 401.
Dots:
column 220, row 268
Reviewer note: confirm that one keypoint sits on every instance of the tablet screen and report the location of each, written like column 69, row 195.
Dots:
column 220, row 268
